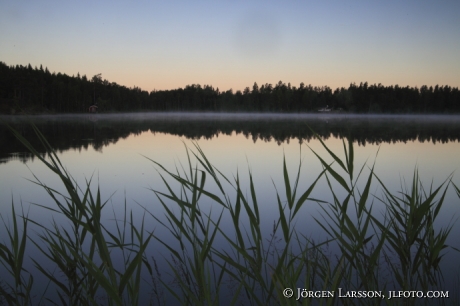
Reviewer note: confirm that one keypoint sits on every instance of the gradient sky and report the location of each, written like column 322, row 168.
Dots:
column 232, row 44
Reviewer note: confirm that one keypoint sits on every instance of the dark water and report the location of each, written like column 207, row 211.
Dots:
column 111, row 149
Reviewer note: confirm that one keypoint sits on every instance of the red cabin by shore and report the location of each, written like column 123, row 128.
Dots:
column 93, row 109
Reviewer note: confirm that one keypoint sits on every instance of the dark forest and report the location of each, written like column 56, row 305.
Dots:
column 37, row 90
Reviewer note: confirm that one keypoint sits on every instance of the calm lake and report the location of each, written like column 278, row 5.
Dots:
column 112, row 149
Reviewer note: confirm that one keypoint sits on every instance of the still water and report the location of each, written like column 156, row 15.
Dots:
column 113, row 150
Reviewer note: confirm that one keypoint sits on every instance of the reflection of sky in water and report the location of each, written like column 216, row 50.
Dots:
column 120, row 168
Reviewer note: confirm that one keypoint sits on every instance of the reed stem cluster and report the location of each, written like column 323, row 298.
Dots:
column 399, row 249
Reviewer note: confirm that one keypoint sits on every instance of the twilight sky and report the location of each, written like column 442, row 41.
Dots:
column 232, row 44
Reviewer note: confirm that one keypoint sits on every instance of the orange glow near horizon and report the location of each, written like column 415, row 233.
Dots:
column 162, row 46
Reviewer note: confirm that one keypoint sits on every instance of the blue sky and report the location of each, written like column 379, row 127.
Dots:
column 232, row 44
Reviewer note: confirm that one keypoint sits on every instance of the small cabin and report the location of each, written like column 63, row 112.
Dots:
column 93, row 109
column 325, row 109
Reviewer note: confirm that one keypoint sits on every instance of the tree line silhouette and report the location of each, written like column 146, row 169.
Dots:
column 39, row 90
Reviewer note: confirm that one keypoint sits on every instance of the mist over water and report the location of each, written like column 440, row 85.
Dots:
column 82, row 131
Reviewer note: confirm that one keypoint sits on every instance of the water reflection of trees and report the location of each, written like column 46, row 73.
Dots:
column 82, row 132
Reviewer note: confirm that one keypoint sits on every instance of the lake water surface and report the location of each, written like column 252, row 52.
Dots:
column 112, row 149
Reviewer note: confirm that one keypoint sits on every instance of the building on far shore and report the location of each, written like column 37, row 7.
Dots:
column 325, row 109
column 93, row 108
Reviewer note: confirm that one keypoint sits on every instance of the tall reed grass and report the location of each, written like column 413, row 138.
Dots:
column 401, row 249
